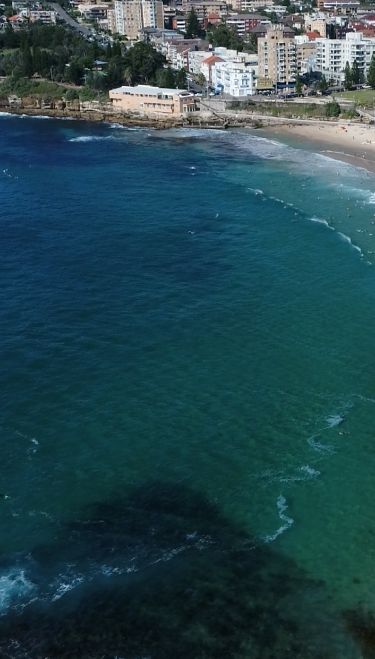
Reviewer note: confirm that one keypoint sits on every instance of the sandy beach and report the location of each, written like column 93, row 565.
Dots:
column 348, row 142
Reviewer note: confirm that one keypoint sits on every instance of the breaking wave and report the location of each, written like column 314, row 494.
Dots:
column 348, row 240
column 15, row 588
column 282, row 507
column 319, row 220
column 91, row 138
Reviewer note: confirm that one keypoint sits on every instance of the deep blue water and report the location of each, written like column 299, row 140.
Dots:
column 187, row 395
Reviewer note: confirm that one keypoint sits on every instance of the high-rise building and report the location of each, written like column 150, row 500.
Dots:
column 333, row 54
column 277, row 57
column 131, row 16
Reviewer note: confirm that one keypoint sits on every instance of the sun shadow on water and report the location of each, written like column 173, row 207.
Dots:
column 362, row 625
column 162, row 573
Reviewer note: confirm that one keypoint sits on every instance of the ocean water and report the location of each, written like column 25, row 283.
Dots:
column 187, row 395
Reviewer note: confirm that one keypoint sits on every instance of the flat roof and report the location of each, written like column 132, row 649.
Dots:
column 148, row 89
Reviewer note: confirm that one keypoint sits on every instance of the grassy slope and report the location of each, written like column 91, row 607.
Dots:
column 24, row 87
column 364, row 97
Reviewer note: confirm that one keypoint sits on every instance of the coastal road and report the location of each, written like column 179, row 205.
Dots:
column 64, row 16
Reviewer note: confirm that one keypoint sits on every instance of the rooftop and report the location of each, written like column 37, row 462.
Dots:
column 149, row 90
column 349, row 3
column 212, row 59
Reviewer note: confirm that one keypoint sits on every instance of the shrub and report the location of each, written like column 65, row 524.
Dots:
column 350, row 114
column 71, row 95
column 332, row 109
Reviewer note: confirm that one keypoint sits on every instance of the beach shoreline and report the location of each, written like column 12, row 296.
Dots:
column 351, row 143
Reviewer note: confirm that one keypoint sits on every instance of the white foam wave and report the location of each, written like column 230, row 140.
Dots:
column 318, row 446
column 35, row 116
column 14, row 587
column 348, row 240
column 91, row 138
column 366, row 399
column 286, row 204
column 334, row 420
column 304, row 473
column 66, row 585
column 282, row 507
column 256, row 191
column 8, row 174
column 310, row 471
column 343, row 236
column 319, row 220
column 5, row 114
column 122, row 127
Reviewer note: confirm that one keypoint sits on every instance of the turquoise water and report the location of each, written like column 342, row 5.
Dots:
column 188, row 391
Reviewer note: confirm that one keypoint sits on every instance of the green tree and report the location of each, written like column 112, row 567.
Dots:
column 116, row 49
column 298, row 85
column 371, row 72
column 71, row 95
column 37, row 60
column 166, row 78
column 251, row 44
column 181, row 79
column 323, row 84
column 348, row 76
column 357, row 74
column 224, row 36
column 11, row 39
column 142, row 62
column 200, row 79
column 192, row 28
column 74, row 72
column 332, row 109
column 27, row 62
column 115, row 74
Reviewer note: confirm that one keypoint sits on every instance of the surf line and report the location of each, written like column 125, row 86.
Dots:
column 287, row 521
column 333, row 421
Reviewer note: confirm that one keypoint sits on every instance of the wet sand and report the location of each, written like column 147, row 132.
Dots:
column 351, row 143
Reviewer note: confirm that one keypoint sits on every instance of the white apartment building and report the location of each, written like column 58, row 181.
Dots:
column 38, row 15
column 250, row 5
column 196, row 58
column 131, row 16
column 234, row 78
column 333, row 54
column 42, row 16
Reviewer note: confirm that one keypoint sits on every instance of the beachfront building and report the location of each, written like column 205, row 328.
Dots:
column 132, row 16
column 203, row 61
column 277, row 56
column 208, row 64
column 333, row 54
column 234, row 78
column 151, row 101
column 196, row 57
column 306, row 52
